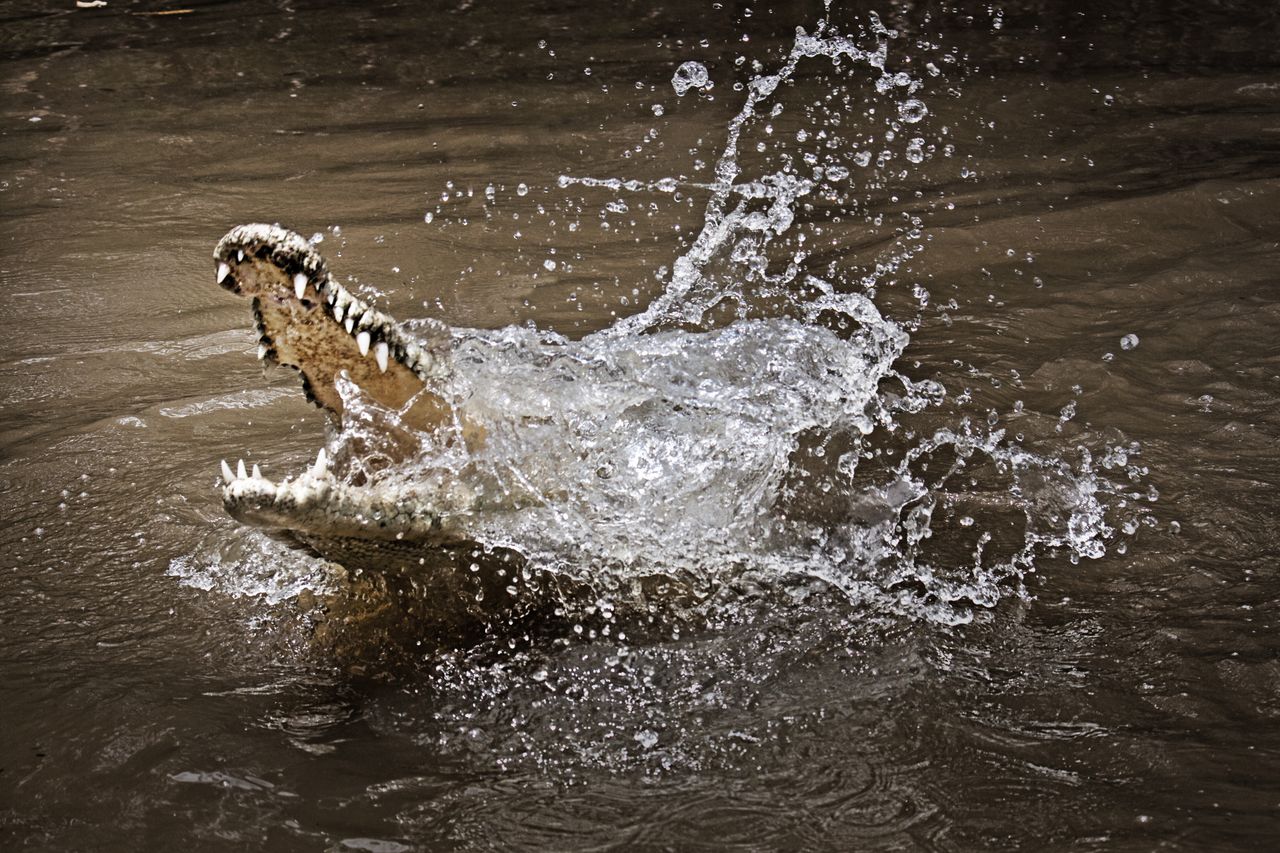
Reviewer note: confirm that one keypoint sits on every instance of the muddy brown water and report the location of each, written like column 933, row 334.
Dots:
column 1116, row 172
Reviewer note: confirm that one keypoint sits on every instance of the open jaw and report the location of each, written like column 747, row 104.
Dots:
column 307, row 321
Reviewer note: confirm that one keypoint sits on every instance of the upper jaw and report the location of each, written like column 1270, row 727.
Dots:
column 279, row 268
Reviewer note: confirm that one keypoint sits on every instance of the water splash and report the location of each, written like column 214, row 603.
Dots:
column 750, row 424
column 742, row 424
column 250, row 566
column 743, row 232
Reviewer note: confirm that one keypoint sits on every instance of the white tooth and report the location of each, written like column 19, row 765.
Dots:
column 362, row 341
column 380, row 353
column 240, row 255
column 262, row 351
column 300, row 284
column 227, row 476
column 332, row 297
column 240, row 472
column 351, row 321
column 223, row 271
column 338, row 311
column 257, row 472
column 322, row 463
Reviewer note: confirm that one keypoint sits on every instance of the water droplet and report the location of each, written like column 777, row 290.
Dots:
column 522, row 189
column 658, row 110
column 912, row 110
column 1129, row 341
column 690, row 75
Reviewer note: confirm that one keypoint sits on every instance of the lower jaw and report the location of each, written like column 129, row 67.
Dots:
column 318, row 505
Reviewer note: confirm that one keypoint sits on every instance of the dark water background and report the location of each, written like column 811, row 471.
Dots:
column 1121, row 176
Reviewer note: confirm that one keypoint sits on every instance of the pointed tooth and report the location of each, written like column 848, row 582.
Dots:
column 380, row 353
column 338, row 312
column 322, row 464
column 262, row 351
column 362, row 341
column 332, row 296
column 240, row 472
column 299, row 284
column 351, row 321
column 227, row 476
column 257, row 472
column 223, row 270
column 240, row 255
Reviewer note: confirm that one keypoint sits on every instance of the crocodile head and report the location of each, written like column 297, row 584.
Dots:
column 310, row 323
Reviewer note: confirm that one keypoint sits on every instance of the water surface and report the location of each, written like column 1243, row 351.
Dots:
column 1068, row 283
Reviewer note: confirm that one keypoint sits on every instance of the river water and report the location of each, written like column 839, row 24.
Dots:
column 895, row 400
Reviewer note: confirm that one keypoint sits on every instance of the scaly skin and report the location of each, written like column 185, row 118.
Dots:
column 307, row 321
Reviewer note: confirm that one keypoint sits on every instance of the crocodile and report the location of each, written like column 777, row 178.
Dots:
column 638, row 452
column 307, row 321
